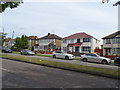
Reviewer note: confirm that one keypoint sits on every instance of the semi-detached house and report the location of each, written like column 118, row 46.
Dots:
column 49, row 42
column 111, row 44
column 32, row 41
column 80, row 42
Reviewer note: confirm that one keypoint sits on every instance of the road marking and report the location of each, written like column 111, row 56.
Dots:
column 4, row 69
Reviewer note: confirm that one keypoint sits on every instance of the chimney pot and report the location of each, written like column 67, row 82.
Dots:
column 48, row 34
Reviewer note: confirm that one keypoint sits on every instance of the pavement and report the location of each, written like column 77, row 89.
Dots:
column 25, row 75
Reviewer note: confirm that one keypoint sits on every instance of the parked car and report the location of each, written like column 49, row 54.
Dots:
column 93, row 57
column 27, row 52
column 60, row 54
column 117, row 61
column 6, row 50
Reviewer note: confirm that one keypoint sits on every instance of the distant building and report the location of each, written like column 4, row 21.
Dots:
column 9, row 42
column 79, row 42
column 111, row 44
column 32, row 41
column 49, row 42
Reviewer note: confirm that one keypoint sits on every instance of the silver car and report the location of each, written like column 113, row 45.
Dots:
column 95, row 58
column 60, row 54
column 27, row 52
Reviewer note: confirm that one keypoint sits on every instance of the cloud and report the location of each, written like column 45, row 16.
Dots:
column 66, row 0
column 61, row 18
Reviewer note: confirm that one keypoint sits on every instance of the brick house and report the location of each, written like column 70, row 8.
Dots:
column 32, row 41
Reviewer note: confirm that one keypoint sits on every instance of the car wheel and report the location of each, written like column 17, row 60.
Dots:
column 84, row 60
column 54, row 56
column 104, row 62
column 66, row 57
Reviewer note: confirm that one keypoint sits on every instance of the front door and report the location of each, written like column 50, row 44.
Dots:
column 76, row 49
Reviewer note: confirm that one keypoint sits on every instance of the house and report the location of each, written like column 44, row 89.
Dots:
column 32, row 41
column 111, row 44
column 9, row 42
column 79, row 43
column 49, row 42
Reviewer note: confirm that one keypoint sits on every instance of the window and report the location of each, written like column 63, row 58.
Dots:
column 65, row 41
column 108, row 41
column 78, row 40
column 86, row 40
column 64, row 49
column 116, row 40
column 88, row 54
column 93, row 55
column 72, row 41
column 116, row 50
column 58, row 52
column 87, row 48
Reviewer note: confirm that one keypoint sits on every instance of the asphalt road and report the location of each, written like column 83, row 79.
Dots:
column 17, row 74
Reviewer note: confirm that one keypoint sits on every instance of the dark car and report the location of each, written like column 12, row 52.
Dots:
column 27, row 52
column 6, row 50
column 117, row 61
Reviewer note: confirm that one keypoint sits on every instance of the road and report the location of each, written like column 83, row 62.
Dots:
column 17, row 74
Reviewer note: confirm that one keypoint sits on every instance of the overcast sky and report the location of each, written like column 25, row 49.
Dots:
column 61, row 18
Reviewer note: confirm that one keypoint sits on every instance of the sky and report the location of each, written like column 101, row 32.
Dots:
column 61, row 17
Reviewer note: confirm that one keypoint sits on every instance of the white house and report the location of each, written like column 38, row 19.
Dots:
column 111, row 44
column 79, row 42
column 9, row 43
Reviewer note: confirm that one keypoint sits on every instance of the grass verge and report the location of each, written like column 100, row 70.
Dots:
column 87, row 69
column 45, row 55
column 16, row 52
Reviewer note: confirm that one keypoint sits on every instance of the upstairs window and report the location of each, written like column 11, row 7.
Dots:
column 116, row 40
column 108, row 41
column 86, row 40
column 78, row 40
column 64, row 41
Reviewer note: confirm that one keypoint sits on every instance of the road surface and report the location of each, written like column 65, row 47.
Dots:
column 17, row 74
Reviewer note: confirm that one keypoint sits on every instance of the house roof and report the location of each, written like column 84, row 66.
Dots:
column 112, row 35
column 78, row 35
column 32, row 37
column 51, row 36
column 9, row 39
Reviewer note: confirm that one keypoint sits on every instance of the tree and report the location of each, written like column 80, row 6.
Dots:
column 21, row 42
column 2, row 38
column 11, row 4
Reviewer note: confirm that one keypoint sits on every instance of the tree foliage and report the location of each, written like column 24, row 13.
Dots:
column 21, row 42
column 5, row 4
column 2, row 38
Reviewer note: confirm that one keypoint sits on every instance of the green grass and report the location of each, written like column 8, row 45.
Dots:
column 101, row 71
column 16, row 52
column 45, row 55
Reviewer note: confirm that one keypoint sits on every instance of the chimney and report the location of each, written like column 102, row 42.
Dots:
column 48, row 34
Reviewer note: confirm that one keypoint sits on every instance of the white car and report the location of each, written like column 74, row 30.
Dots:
column 95, row 58
column 60, row 54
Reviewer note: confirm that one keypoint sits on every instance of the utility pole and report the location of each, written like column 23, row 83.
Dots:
column 12, row 38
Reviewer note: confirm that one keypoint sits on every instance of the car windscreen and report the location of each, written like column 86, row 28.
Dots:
column 28, row 51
